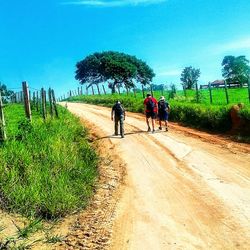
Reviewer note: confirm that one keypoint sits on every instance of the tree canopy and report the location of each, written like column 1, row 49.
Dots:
column 189, row 77
column 118, row 68
column 235, row 69
column 5, row 92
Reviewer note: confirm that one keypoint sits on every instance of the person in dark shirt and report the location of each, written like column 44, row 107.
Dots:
column 150, row 105
column 118, row 116
column 163, row 111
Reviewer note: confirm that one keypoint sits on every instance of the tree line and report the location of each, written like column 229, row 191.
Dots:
column 235, row 69
column 123, row 70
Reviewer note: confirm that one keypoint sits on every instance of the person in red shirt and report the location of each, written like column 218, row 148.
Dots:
column 151, row 107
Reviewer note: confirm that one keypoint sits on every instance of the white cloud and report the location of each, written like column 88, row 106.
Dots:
column 113, row 3
column 237, row 45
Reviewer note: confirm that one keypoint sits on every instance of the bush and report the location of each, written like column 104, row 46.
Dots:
column 47, row 169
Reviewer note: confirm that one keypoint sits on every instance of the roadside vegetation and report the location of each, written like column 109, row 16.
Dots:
column 183, row 109
column 47, row 168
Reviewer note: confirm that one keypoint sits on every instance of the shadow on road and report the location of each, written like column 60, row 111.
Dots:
column 126, row 134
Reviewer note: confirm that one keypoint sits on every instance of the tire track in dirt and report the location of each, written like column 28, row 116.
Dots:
column 180, row 191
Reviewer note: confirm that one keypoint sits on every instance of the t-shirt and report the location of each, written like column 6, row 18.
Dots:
column 154, row 101
column 118, row 109
column 162, row 106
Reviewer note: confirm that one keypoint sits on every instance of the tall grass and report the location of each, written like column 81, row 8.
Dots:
column 47, row 169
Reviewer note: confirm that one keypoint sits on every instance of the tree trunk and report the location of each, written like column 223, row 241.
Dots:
column 113, row 87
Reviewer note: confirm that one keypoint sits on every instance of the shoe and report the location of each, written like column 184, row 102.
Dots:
column 153, row 131
column 160, row 128
column 166, row 128
column 149, row 129
column 122, row 136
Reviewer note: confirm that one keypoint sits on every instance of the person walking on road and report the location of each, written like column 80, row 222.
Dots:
column 118, row 116
column 151, row 106
column 163, row 111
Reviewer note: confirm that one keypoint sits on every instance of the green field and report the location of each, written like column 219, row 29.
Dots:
column 47, row 168
column 218, row 96
column 235, row 95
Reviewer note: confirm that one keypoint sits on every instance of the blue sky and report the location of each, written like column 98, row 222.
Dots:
column 41, row 41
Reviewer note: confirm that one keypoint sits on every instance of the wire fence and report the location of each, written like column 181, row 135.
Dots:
column 220, row 94
column 41, row 101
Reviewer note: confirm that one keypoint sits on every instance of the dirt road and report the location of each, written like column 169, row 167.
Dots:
column 181, row 191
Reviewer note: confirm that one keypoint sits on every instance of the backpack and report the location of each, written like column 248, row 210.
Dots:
column 150, row 105
column 118, row 109
column 162, row 105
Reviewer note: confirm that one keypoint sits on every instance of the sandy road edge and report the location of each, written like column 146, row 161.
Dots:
column 92, row 228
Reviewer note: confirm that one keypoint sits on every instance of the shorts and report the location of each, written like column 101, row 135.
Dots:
column 151, row 115
column 163, row 116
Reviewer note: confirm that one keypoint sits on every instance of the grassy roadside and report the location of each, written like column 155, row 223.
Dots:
column 211, row 117
column 47, row 169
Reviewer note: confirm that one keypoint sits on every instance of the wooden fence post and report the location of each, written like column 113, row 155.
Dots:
column 50, row 102
column 226, row 91
column 3, row 136
column 43, row 103
column 210, row 92
column 197, row 92
column 26, row 100
column 21, row 96
column 184, row 90
column 37, row 101
column 54, row 102
column 34, row 99
column 104, row 90
column 248, row 83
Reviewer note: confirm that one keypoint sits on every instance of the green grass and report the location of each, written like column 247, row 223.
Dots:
column 47, row 169
column 52, row 239
column 218, row 96
column 183, row 109
column 236, row 95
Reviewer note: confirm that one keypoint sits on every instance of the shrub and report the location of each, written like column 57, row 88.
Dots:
column 47, row 169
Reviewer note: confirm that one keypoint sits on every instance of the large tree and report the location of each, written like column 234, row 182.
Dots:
column 235, row 69
column 189, row 77
column 117, row 68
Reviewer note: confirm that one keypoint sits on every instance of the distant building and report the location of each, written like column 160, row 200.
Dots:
column 217, row 84
column 221, row 84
